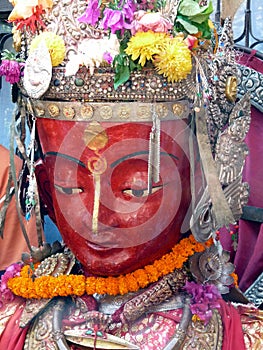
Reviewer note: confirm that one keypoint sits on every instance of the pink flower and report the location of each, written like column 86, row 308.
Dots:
column 11, row 70
column 204, row 299
column 153, row 21
column 128, row 10
column 118, row 19
column 92, row 13
column 5, row 293
column 191, row 42
column 107, row 57
column 146, row 5
column 114, row 20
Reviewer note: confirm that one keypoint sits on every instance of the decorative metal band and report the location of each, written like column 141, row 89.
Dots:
column 255, row 292
column 113, row 112
column 145, row 86
column 251, row 81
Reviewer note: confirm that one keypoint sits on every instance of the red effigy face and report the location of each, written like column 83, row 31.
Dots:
column 98, row 179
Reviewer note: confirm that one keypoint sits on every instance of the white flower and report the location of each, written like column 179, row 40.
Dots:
column 90, row 53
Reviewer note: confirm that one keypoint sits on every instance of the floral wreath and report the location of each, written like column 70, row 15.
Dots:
column 132, row 34
column 49, row 286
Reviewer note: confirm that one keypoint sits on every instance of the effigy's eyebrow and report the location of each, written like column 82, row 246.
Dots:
column 116, row 162
column 131, row 155
column 66, row 156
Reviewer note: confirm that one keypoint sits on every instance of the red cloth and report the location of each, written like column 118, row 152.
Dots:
column 233, row 337
column 13, row 337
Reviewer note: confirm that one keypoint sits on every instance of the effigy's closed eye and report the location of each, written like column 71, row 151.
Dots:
column 68, row 190
column 140, row 192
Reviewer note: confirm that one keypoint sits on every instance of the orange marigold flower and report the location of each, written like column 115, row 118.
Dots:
column 169, row 262
column 112, row 286
column 141, row 277
column 78, row 285
column 162, row 267
column 101, row 285
column 26, row 271
column 152, row 273
column 41, row 287
column 91, row 285
column 235, row 276
column 131, row 282
column 123, row 288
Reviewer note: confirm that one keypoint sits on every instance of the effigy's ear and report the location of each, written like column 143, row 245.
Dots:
column 44, row 190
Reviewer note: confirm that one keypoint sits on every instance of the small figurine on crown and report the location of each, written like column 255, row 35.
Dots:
column 132, row 108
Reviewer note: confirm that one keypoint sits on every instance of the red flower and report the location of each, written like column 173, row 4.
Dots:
column 33, row 22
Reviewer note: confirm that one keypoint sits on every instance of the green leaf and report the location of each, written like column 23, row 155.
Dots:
column 189, row 27
column 205, row 29
column 122, row 74
column 202, row 17
column 189, row 8
column 11, row 56
column 159, row 4
column 209, row 9
column 117, row 60
column 8, row 55
column 134, row 65
column 198, row 18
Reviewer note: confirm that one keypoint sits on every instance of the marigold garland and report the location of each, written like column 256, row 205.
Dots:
column 49, row 286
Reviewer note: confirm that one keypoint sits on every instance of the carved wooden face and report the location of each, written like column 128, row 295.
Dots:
column 97, row 175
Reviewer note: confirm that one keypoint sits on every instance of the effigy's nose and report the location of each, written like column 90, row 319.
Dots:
column 103, row 216
column 106, row 221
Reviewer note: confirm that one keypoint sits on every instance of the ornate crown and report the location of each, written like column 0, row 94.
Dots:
column 147, row 56
column 109, row 51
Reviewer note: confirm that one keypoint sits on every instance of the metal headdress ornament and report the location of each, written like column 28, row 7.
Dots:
column 227, row 123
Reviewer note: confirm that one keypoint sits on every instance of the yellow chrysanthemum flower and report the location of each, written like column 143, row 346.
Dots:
column 145, row 45
column 174, row 62
column 55, row 45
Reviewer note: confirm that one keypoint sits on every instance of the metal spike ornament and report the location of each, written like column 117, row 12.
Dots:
column 154, row 151
column 32, row 185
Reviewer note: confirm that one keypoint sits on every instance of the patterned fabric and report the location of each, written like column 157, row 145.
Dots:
column 252, row 324
column 152, row 332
